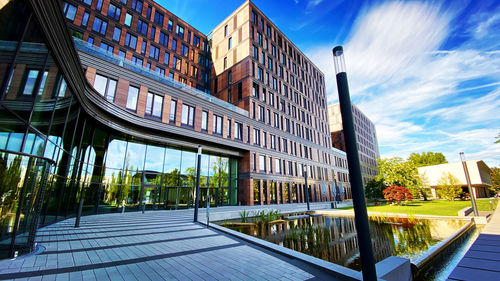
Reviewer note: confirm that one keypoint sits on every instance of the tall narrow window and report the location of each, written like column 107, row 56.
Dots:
column 133, row 94
column 105, row 86
column 128, row 19
column 225, row 30
column 204, row 120
column 229, row 128
column 85, row 19
column 69, row 11
column 154, row 105
column 229, row 43
column 238, row 131
column 173, row 110
column 217, row 125
column 187, row 115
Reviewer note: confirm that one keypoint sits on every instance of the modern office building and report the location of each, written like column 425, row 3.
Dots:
column 103, row 105
column 366, row 136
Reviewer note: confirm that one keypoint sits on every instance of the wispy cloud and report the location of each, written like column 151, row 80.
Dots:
column 412, row 89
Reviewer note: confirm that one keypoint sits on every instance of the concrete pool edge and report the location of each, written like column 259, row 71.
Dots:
column 336, row 270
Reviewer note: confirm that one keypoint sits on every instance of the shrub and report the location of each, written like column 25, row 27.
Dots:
column 449, row 187
column 397, row 194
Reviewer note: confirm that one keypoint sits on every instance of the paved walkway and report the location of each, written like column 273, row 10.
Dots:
column 482, row 261
column 157, row 245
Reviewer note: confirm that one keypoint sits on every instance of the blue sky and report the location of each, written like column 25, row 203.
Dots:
column 427, row 73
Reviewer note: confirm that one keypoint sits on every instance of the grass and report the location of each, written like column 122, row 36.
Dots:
column 434, row 207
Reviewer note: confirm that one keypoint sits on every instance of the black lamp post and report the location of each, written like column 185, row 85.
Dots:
column 358, row 195
column 469, row 186
column 197, row 193
column 304, row 167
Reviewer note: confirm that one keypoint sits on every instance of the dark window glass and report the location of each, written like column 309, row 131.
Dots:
column 114, row 12
column 106, row 47
column 142, row 27
column 69, row 11
column 174, row 44
column 99, row 26
column 98, row 6
column 196, row 41
column 163, row 39
column 116, row 34
column 85, row 19
column 166, row 58
column 180, row 31
column 153, row 33
column 170, row 25
column 137, row 5
column 154, row 52
column 158, row 18
column 131, row 41
column 184, row 50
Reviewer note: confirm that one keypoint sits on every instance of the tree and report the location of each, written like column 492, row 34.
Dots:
column 396, row 171
column 397, row 194
column 374, row 188
column 495, row 179
column 427, row 158
column 449, row 187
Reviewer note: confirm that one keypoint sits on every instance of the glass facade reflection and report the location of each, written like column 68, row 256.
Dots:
column 53, row 155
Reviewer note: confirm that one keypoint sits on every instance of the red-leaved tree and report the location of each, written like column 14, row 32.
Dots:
column 397, row 194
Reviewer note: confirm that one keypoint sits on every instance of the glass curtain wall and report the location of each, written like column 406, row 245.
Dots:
column 53, row 155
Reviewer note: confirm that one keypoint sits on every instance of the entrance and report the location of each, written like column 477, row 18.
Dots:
column 150, row 194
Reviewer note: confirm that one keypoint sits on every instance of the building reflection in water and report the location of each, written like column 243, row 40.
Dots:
column 334, row 238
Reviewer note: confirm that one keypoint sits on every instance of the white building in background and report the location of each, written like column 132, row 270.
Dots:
column 479, row 174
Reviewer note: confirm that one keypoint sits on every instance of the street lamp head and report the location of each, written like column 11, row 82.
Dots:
column 199, row 149
column 338, row 59
column 462, row 156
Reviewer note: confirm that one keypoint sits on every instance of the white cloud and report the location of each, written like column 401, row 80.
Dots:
column 421, row 97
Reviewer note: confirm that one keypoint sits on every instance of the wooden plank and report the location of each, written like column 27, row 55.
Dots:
column 464, row 273
column 480, row 264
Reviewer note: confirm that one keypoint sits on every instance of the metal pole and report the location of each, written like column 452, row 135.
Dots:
column 358, row 195
column 469, row 186
column 197, row 199
column 307, row 187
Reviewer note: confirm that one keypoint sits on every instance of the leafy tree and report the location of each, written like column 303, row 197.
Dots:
column 396, row 171
column 397, row 194
column 495, row 179
column 374, row 188
column 427, row 158
column 449, row 187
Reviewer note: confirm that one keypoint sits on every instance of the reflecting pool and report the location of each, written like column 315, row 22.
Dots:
column 334, row 238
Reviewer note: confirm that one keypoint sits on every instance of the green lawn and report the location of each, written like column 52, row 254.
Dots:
column 434, row 207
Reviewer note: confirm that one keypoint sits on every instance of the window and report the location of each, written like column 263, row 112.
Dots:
column 229, row 77
column 131, row 41
column 177, row 63
column 204, row 120
column 163, row 39
column 259, row 38
column 137, row 5
column 277, row 166
column 260, row 74
column 116, row 34
column 105, row 86
column 98, row 6
column 166, row 58
column 106, row 47
column 261, row 113
column 262, row 163
column 217, row 125
column 158, row 19
column 269, row 31
column 255, row 52
column 273, row 141
column 189, row 37
column 142, row 27
column 85, row 19
column 229, row 128
column 143, row 47
column 276, row 120
column 170, row 25
column 114, row 12
column 229, row 43
column 180, row 31
column 69, row 11
column 256, row 136
column 173, row 110
column 238, row 131
column 171, row 75
column 264, row 139
column 184, row 50
column 225, row 62
column 196, row 41
column 225, row 30
column 31, row 80
column 154, row 52
column 99, row 26
column 148, row 13
column 187, row 115
column 255, row 90
column 128, row 19
column 160, row 70
column 254, row 17
column 132, row 96
column 137, row 60
column 62, row 88
column 152, row 34
column 174, row 44
column 88, row 2
column 154, row 105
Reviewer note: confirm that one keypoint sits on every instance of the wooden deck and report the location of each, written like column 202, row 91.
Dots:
column 482, row 261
